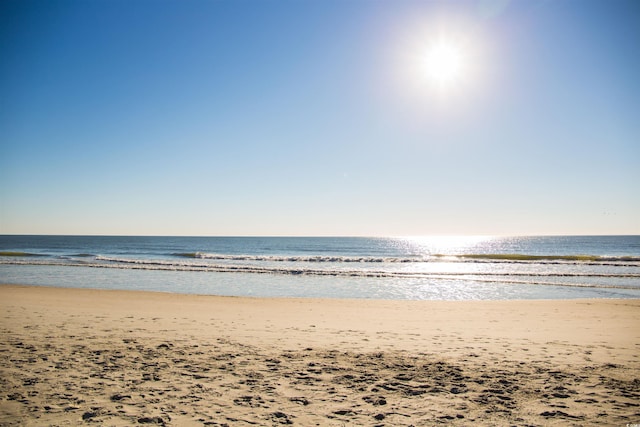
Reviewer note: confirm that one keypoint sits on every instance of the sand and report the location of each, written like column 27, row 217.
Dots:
column 95, row 357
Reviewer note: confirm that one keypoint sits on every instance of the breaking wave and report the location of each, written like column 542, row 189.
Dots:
column 298, row 258
column 543, row 258
column 622, row 261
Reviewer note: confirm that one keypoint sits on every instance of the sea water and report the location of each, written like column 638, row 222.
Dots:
column 442, row 268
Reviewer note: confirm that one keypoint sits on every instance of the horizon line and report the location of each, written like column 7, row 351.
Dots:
column 319, row 236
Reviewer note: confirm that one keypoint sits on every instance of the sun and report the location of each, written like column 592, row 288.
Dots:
column 445, row 64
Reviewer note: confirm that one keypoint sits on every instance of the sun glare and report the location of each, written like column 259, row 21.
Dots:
column 441, row 63
column 445, row 64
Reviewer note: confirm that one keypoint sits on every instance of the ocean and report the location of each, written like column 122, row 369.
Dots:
column 420, row 268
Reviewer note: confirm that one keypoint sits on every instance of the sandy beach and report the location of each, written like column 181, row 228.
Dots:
column 95, row 357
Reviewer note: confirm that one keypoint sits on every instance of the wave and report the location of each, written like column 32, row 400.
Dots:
column 18, row 254
column 487, row 277
column 502, row 258
column 621, row 261
column 298, row 258
column 526, row 257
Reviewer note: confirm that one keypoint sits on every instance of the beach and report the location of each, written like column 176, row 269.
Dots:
column 109, row 357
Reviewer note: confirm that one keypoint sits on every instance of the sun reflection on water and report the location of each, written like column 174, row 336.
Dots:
column 447, row 245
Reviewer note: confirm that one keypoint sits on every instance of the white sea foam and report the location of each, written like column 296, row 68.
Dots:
column 621, row 261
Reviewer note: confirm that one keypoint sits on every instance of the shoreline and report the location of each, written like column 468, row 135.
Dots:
column 184, row 359
column 293, row 298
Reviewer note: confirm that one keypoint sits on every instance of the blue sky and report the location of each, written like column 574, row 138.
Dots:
column 309, row 117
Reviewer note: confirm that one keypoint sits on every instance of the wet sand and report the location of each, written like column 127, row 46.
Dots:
column 91, row 357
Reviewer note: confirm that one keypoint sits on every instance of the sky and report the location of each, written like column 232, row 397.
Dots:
column 319, row 117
